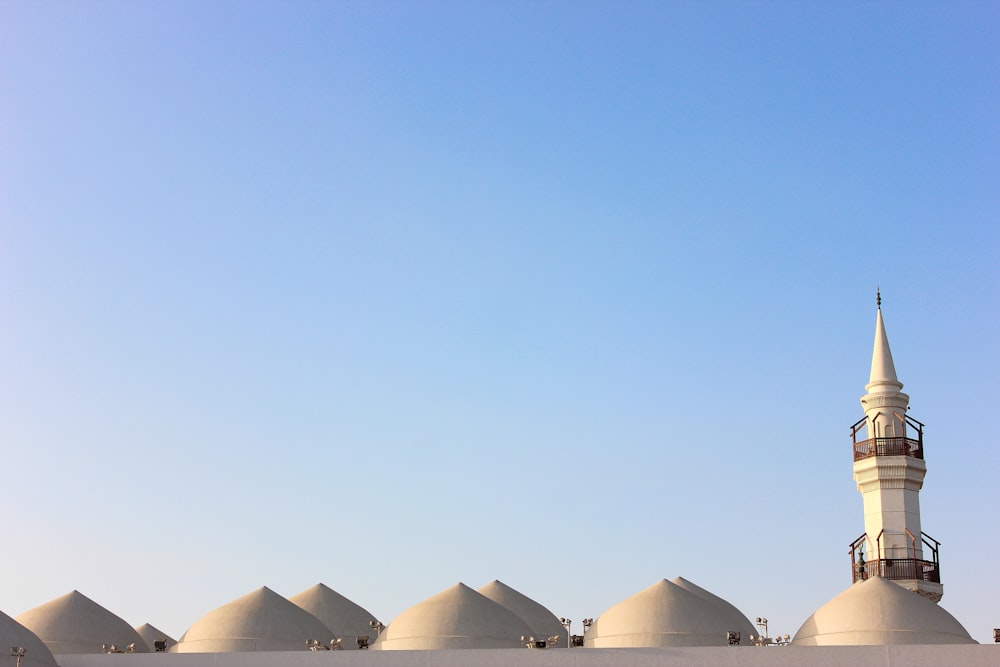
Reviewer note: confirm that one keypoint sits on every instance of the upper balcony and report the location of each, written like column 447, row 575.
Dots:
column 901, row 445
column 888, row 447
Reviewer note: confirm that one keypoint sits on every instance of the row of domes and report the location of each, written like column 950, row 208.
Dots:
column 668, row 613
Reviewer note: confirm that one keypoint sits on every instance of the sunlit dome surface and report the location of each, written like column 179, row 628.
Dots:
column 739, row 622
column 664, row 614
column 542, row 622
column 259, row 621
column 878, row 611
column 15, row 635
column 344, row 618
column 152, row 634
column 455, row 618
column 74, row 623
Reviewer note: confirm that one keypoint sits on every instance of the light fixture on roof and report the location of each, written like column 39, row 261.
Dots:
column 531, row 642
column 363, row 641
column 377, row 626
column 996, row 636
column 315, row 645
column 566, row 623
column 587, row 622
column 733, row 637
column 763, row 640
column 18, row 651
column 159, row 645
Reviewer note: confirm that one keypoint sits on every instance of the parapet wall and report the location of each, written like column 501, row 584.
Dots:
column 985, row 655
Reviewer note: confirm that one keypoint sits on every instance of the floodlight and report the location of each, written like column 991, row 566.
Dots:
column 576, row 641
column 314, row 645
column 733, row 637
column 159, row 645
column 363, row 641
column 996, row 636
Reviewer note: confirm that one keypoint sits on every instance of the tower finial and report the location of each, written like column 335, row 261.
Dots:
column 878, row 298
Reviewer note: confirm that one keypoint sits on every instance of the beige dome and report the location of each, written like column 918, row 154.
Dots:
column 13, row 634
column 74, row 623
column 345, row 619
column 458, row 617
column 152, row 635
column 662, row 615
column 258, row 621
column 739, row 622
column 542, row 622
column 878, row 611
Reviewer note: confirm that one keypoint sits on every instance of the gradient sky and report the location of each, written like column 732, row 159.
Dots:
column 577, row 296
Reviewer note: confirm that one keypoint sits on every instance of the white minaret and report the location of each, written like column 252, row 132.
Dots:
column 889, row 469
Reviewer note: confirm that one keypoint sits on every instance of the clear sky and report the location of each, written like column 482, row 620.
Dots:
column 577, row 296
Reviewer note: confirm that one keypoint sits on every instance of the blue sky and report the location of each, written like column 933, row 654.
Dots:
column 576, row 296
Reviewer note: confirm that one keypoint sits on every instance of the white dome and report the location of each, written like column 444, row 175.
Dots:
column 13, row 634
column 345, row 619
column 542, row 622
column 458, row 617
column 258, row 621
column 878, row 611
column 152, row 634
column 74, row 623
column 662, row 615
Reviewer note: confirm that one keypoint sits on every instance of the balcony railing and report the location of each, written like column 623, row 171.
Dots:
column 888, row 445
column 899, row 569
column 910, row 568
column 897, row 446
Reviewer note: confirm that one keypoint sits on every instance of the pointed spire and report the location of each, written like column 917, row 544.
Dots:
column 883, row 370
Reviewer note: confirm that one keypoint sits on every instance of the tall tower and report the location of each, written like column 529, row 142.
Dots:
column 889, row 469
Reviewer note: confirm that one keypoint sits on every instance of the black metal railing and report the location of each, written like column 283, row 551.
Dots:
column 890, row 445
column 909, row 568
column 899, row 569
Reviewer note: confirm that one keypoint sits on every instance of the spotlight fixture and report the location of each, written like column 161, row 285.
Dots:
column 587, row 622
column 733, row 637
column 159, row 645
column 18, row 652
column 363, row 641
column 996, row 636
column 377, row 627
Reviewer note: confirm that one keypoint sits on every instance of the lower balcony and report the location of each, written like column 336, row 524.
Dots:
column 898, row 569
